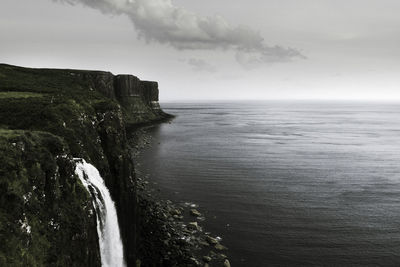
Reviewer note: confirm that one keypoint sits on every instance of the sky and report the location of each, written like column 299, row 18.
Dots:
column 216, row 50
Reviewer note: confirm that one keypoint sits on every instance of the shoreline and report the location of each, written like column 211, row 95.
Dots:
column 173, row 234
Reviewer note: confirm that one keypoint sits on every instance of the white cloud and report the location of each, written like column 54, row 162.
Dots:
column 163, row 22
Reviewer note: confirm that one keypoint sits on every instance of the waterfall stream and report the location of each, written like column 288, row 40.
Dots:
column 111, row 248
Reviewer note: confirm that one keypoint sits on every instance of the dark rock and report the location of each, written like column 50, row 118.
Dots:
column 222, row 256
column 220, row 247
column 193, row 226
column 204, row 243
column 195, row 213
column 176, row 212
column 195, row 261
column 227, row 263
column 206, row 259
column 211, row 240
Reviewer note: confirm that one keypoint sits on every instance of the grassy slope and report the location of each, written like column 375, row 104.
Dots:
column 19, row 94
column 67, row 107
column 13, row 78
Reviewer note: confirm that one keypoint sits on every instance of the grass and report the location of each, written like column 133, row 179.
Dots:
column 13, row 78
column 9, row 133
column 14, row 94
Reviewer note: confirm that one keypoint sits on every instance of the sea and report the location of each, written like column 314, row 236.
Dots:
column 286, row 183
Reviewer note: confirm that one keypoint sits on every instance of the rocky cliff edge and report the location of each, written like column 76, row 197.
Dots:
column 47, row 118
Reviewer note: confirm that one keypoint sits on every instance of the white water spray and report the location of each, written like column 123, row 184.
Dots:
column 111, row 248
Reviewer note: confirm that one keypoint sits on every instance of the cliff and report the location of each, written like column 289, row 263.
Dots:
column 47, row 118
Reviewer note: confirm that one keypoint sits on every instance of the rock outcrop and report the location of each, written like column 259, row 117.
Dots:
column 139, row 99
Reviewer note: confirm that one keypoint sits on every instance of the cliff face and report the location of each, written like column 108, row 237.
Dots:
column 138, row 99
column 86, row 112
column 42, row 206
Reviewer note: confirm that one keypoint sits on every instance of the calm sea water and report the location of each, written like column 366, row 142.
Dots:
column 287, row 183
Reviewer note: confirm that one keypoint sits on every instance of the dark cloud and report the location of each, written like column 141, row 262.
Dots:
column 163, row 22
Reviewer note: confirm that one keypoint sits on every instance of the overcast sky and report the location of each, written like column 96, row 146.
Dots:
column 199, row 50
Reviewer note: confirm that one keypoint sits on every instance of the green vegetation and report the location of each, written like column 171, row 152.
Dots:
column 45, row 215
column 14, row 78
column 19, row 94
column 9, row 133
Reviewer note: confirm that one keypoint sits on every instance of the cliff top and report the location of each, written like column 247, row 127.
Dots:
column 44, row 80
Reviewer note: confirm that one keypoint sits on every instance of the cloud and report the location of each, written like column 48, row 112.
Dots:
column 201, row 65
column 163, row 22
column 252, row 58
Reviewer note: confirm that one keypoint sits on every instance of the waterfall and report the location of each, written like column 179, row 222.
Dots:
column 111, row 248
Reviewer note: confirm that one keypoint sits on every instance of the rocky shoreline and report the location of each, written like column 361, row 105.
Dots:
column 171, row 233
